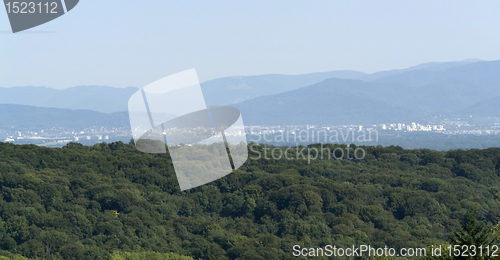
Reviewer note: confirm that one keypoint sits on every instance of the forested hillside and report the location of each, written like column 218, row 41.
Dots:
column 110, row 201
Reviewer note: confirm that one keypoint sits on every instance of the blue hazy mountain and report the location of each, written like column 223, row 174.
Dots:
column 482, row 72
column 430, row 66
column 409, row 96
column 222, row 91
column 453, row 88
column 231, row 90
column 21, row 117
column 485, row 108
column 331, row 102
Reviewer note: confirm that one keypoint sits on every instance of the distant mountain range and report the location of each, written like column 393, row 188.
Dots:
column 222, row 91
column 97, row 98
column 331, row 102
column 430, row 66
column 232, row 90
column 467, row 87
column 412, row 95
column 22, row 118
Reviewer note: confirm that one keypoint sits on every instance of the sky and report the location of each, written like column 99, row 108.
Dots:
column 133, row 43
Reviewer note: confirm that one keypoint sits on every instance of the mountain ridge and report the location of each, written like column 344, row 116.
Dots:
column 22, row 117
column 221, row 91
column 427, row 89
column 452, row 91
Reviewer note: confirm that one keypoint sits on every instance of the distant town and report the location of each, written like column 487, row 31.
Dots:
column 59, row 137
column 290, row 134
column 451, row 128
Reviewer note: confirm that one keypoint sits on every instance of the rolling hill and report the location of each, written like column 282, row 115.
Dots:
column 21, row 117
column 338, row 97
column 412, row 96
column 331, row 102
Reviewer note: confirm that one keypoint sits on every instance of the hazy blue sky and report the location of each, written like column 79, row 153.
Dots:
column 133, row 43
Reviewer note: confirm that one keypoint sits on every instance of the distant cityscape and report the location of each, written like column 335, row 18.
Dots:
column 58, row 137
column 451, row 128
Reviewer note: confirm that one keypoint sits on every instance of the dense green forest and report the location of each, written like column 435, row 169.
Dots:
column 110, row 201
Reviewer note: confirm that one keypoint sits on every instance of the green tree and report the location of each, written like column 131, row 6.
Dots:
column 474, row 233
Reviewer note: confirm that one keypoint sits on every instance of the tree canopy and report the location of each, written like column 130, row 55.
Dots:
column 110, row 201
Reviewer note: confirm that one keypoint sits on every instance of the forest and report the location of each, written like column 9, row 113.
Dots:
column 111, row 201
